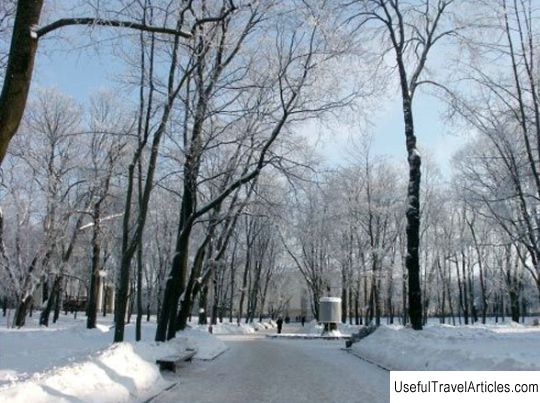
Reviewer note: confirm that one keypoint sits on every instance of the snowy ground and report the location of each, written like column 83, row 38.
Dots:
column 508, row 346
column 68, row 362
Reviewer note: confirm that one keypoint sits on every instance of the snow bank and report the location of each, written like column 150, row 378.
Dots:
column 68, row 362
column 208, row 346
column 230, row 328
column 344, row 329
column 114, row 375
column 447, row 348
column 259, row 326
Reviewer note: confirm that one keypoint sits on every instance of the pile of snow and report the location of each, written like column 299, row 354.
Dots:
column 334, row 333
column 344, row 329
column 446, row 348
column 113, row 375
column 259, row 326
column 264, row 325
column 208, row 346
column 227, row 328
column 68, row 362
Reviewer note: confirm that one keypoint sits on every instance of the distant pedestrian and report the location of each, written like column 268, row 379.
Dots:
column 287, row 319
column 279, row 325
column 303, row 320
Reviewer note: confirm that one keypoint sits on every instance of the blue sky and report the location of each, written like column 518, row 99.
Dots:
column 435, row 137
column 80, row 73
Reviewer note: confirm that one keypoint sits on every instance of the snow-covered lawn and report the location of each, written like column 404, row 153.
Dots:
column 68, row 362
column 230, row 328
column 510, row 346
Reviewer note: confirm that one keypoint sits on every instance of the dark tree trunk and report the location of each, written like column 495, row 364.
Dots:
column 94, row 274
column 357, row 317
column 192, row 288
column 514, row 305
column 105, row 301
column 350, row 305
column 20, row 65
column 138, row 323
column 51, row 302
column 343, row 301
column 202, row 306
column 58, row 302
column 465, row 291
column 167, row 324
column 215, row 299
column 366, row 300
column 131, row 304
column 22, row 310
column 412, row 261
column 371, row 307
column 176, row 284
column 45, row 294
column 233, row 272
column 377, row 303
column 243, row 289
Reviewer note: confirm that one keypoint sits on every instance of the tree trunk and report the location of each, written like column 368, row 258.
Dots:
column 343, row 300
column 232, row 269
column 357, row 316
column 138, row 321
column 18, row 75
column 51, row 302
column 94, row 274
column 243, row 289
column 514, row 306
column 45, row 288
column 215, row 299
column 413, row 217
column 202, row 306
column 193, row 287
column 105, row 301
column 176, row 284
column 350, row 304
column 59, row 300
column 22, row 309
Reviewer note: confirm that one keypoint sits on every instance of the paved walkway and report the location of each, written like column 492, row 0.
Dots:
column 256, row 369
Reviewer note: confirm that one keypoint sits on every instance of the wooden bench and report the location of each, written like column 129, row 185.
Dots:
column 170, row 362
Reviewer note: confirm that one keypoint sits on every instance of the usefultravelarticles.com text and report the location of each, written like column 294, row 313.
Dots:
column 464, row 386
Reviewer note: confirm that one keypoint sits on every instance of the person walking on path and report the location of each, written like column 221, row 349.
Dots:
column 279, row 325
column 303, row 320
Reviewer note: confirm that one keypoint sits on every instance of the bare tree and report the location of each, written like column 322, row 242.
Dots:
column 412, row 30
column 277, row 98
column 52, row 167
column 108, row 130
column 25, row 37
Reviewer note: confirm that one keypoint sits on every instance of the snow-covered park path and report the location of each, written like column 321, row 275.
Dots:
column 257, row 369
